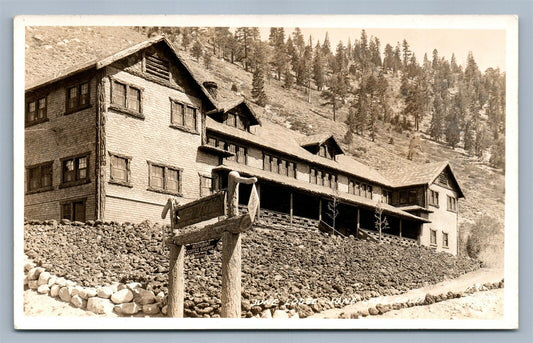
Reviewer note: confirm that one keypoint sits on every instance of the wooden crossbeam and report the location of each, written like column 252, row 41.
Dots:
column 237, row 224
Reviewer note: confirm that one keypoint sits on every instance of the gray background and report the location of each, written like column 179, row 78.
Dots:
column 8, row 9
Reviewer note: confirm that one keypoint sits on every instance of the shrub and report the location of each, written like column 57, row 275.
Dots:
column 485, row 241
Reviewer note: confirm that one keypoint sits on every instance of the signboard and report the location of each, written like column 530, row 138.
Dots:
column 201, row 248
column 202, row 209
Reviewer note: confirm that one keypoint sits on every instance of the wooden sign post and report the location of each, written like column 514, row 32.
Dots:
column 229, row 230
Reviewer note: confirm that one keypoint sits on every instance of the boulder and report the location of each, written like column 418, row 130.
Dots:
column 54, row 290
column 76, row 291
column 122, row 296
column 143, row 297
column 266, row 314
column 32, row 284
column 87, row 293
column 373, row 311
column 43, row 289
column 51, row 280
column 104, row 292
column 164, row 310
column 151, row 309
column 61, row 281
column 78, row 302
column 127, row 308
column 34, row 273
column 64, row 294
column 99, row 305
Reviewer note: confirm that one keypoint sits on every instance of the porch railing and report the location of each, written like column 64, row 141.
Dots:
column 391, row 239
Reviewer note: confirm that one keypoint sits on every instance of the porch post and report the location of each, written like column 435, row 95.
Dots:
column 358, row 223
column 320, row 209
column 400, row 227
column 291, row 204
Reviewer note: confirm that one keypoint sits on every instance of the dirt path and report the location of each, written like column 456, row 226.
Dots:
column 40, row 305
column 460, row 284
column 480, row 305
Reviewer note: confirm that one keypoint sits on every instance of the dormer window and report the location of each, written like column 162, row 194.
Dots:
column 321, row 145
column 238, row 121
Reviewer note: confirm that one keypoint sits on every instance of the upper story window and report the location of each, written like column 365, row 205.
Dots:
column 74, row 170
column 239, row 151
column 183, row 116
column 238, row 121
column 78, row 97
column 360, row 189
column 164, row 179
column 323, row 178
column 325, row 151
column 126, row 98
column 434, row 198
column 408, row 197
column 452, row 204
column 39, row 177
column 279, row 166
column 386, row 196
column 120, row 169
column 157, row 67
column 36, row 111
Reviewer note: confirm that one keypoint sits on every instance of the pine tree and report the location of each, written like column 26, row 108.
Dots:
column 336, row 92
column 453, row 122
column 388, row 59
column 196, row 50
column 289, row 78
column 318, row 68
column 207, row 60
column 258, row 87
column 437, row 118
column 406, row 54
column 245, row 37
column 326, row 46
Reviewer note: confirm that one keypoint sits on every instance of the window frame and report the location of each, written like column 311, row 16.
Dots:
column 166, row 169
column 128, row 181
column 125, row 109
column 77, row 181
column 37, row 120
column 451, row 204
column 433, row 195
column 42, row 188
column 72, row 203
column 445, row 240
column 433, row 233
column 211, row 189
column 183, row 125
column 79, row 106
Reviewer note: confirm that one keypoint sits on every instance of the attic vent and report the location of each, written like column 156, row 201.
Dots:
column 443, row 179
column 157, row 67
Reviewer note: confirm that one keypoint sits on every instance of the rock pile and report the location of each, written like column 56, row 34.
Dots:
column 281, row 270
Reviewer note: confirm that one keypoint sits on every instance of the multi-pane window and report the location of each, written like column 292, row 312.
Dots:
column 452, row 204
column 279, row 165
column 360, row 189
column 445, row 242
column 206, row 185
column 73, row 210
column 325, row 151
column 78, row 97
column 434, row 198
column 165, row 179
column 75, row 170
column 386, row 196
column 432, row 237
column 408, row 197
column 183, row 115
column 40, row 177
column 36, row 111
column 323, row 178
column 126, row 97
column 238, row 121
column 120, row 169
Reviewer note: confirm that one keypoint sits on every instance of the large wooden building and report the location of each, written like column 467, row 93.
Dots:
column 114, row 138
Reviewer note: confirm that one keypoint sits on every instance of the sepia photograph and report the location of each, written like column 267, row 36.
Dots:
column 222, row 172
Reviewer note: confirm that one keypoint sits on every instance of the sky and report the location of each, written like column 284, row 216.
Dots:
column 487, row 46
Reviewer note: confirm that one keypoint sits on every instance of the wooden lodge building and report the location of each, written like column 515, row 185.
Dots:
column 114, row 138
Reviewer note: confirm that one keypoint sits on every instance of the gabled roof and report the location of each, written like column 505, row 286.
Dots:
column 105, row 61
column 320, row 139
column 286, row 142
column 421, row 174
column 226, row 106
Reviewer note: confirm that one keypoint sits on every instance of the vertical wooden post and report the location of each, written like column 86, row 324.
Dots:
column 258, row 187
column 291, row 208
column 176, row 281
column 358, row 223
column 320, row 209
column 400, row 227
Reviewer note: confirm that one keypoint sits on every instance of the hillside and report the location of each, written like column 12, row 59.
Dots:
column 483, row 185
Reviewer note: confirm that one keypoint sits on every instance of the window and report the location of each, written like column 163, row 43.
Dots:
column 164, row 179
column 445, row 240
column 206, row 185
column 36, row 111
column 313, row 176
column 240, row 155
column 452, row 204
column 432, row 237
column 78, row 97
column 408, row 197
column 39, row 177
column 126, row 98
column 183, row 116
column 120, row 170
column 74, row 170
column 351, row 187
column 386, row 196
column 73, row 210
column 157, row 67
column 322, row 151
column 279, row 165
column 434, row 198
column 412, row 197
